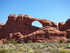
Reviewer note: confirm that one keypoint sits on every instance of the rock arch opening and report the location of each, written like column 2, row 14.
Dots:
column 37, row 24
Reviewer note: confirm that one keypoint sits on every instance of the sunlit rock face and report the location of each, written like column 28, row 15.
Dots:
column 20, row 28
column 60, row 25
column 64, row 25
column 50, row 34
column 2, row 24
column 26, row 20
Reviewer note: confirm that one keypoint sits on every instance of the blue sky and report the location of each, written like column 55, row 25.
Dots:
column 54, row 10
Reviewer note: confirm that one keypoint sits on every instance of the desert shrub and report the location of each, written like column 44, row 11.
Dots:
column 13, row 41
column 62, row 51
column 61, row 41
column 6, row 42
column 68, row 41
column 31, row 51
column 30, row 41
column 53, row 51
column 18, row 52
column 3, row 51
column 68, row 46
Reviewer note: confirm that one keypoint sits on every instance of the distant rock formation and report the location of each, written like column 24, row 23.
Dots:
column 64, row 26
column 20, row 28
column 50, row 34
column 1, row 24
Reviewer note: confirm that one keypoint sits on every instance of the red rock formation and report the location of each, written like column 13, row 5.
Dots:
column 16, row 24
column 68, row 33
column 20, row 28
column 60, row 25
column 65, row 25
column 47, row 23
column 46, row 34
column 11, row 19
column 1, row 24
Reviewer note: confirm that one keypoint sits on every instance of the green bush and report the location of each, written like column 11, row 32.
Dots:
column 30, row 41
column 62, row 51
column 13, row 41
column 7, row 42
column 53, row 51
column 61, row 41
column 68, row 46
column 3, row 51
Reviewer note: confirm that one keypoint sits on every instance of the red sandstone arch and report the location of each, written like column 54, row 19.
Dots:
column 25, row 19
column 20, row 26
column 37, row 24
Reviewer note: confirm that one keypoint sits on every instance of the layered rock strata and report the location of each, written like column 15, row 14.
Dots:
column 20, row 28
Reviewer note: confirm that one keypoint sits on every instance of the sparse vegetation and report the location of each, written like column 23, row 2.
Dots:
column 13, row 41
column 35, row 48
column 68, row 46
column 62, row 51
column 61, row 41
column 30, row 41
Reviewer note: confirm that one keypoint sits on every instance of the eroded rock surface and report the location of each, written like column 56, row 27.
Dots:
column 65, row 26
column 2, row 24
column 46, row 34
column 20, row 28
